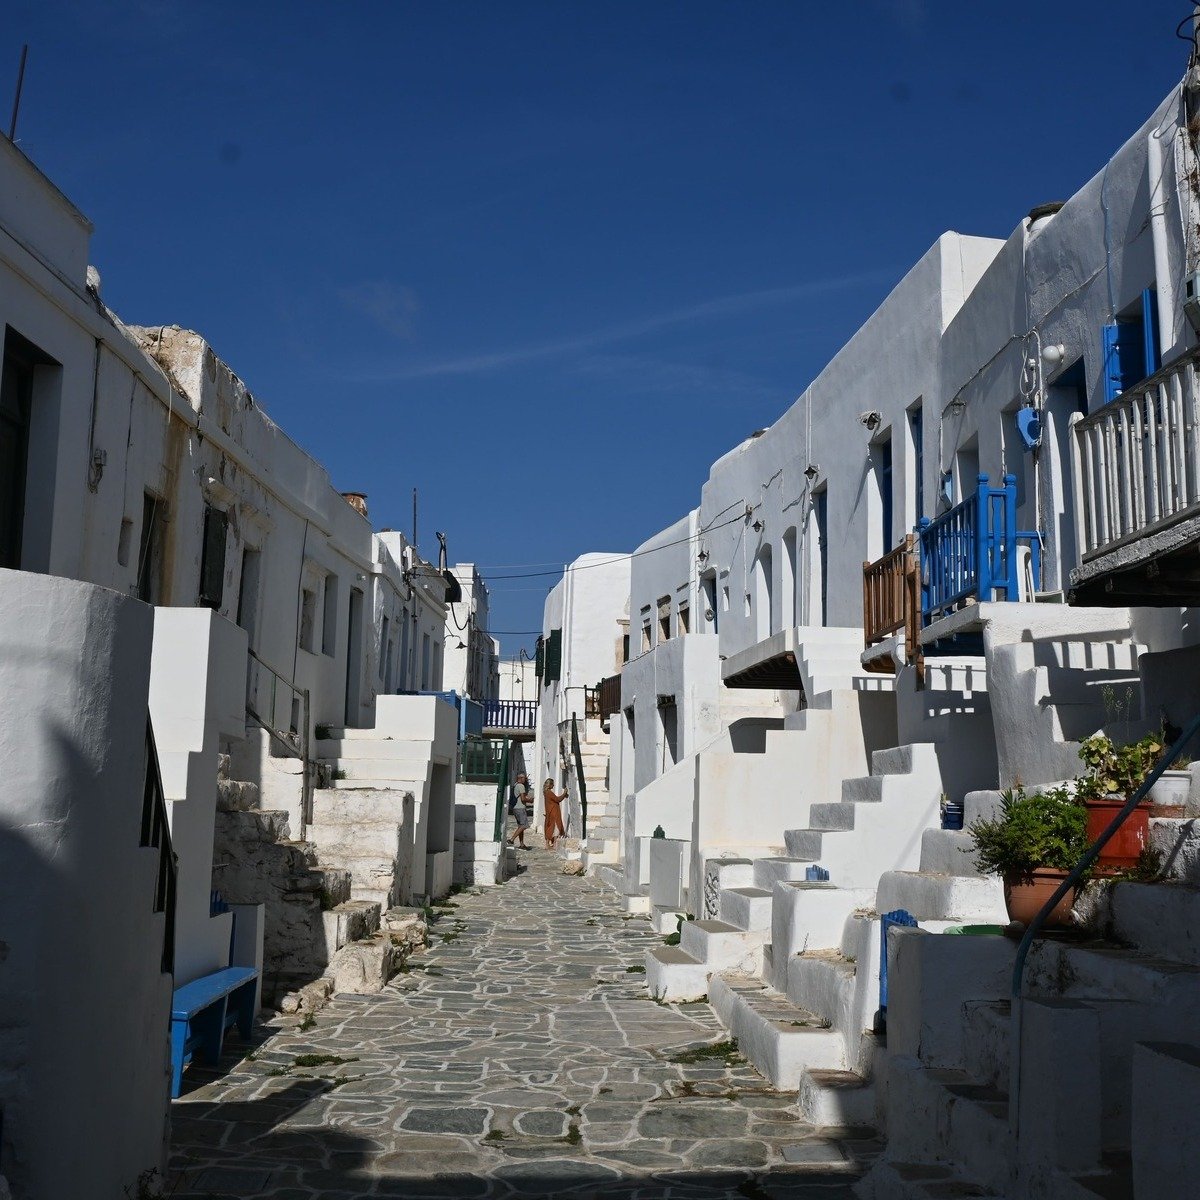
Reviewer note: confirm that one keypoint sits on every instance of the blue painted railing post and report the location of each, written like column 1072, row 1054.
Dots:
column 928, row 565
column 1010, row 537
column 905, row 919
column 983, row 558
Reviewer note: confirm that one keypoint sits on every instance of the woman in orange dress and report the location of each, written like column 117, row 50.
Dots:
column 554, row 821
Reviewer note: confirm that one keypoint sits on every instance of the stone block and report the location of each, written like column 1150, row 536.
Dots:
column 1166, row 1099
column 362, row 968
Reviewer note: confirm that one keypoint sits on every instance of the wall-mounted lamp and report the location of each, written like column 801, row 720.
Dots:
column 1053, row 355
column 872, row 420
column 811, row 472
column 956, row 405
column 702, row 556
column 757, row 527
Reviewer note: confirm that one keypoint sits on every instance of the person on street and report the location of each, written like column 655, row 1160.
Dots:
column 554, row 821
column 519, row 807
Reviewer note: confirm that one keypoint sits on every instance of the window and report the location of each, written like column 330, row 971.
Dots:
column 554, row 656
column 819, row 570
column 916, row 437
column 308, row 618
column 664, row 618
column 685, row 618
column 625, row 648
column 425, row 662
column 149, row 574
column 881, row 468
column 212, row 557
column 725, row 597
column 787, row 581
column 247, row 613
column 763, row 593
column 16, row 399
column 647, row 634
column 329, row 616
column 383, row 648
column 1131, row 349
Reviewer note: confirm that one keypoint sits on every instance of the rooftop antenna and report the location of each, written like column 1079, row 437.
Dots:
column 12, row 125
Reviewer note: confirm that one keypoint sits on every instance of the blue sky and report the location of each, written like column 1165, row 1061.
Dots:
column 546, row 261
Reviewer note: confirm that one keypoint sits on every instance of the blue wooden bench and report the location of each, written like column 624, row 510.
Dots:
column 202, row 1010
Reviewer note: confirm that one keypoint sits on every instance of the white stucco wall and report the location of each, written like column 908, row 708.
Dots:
column 84, row 1005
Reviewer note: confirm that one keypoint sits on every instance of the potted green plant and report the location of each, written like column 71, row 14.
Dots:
column 1111, row 775
column 1034, row 840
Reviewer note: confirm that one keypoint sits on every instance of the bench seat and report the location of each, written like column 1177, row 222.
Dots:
column 201, row 1012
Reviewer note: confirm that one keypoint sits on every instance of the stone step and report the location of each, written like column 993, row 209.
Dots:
column 904, row 760
column 262, row 825
column 334, row 840
column 723, row 947
column 948, row 852
column 891, row 1180
column 951, row 1116
column 222, row 766
column 831, row 1097
column 411, row 772
column 975, row 900
column 822, row 982
column 635, row 903
column 349, row 750
column 674, row 975
column 779, row 1038
column 769, row 871
column 236, row 795
column 838, row 815
column 810, row 916
column 746, row 907
column 366, row 805
column 665, row 919
column 986, row 1040
column 803, row 844
column 377, row 785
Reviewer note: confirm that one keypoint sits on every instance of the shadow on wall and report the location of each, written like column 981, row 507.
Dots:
column 260, row 1149
column 749, row 734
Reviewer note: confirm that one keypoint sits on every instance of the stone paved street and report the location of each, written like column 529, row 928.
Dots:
column 518, row 1056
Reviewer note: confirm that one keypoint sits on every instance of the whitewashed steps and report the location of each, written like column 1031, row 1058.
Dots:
column 779, row 1038
column 723, row 947
column 673, row 975
column 746, row 907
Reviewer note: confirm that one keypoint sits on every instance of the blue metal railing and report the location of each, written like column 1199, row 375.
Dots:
column 515, row 715
column 971, row 551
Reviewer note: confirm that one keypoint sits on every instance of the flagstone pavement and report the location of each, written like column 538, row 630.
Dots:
column 520, row 1055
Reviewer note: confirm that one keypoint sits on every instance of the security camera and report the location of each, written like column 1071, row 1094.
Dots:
column 872, row 420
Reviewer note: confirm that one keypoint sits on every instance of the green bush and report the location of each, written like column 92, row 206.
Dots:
column 1038, row 829
column 1111, row 770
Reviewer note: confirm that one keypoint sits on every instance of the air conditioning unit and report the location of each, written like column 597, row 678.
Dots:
column 1191, row 300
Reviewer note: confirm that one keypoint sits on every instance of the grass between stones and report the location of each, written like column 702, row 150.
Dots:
column 635, row 970
column 699, row 1054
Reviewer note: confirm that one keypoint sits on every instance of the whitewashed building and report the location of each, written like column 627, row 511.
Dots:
column 582, row 644
column 210, row 578
column 886, row 568
column 471, row 659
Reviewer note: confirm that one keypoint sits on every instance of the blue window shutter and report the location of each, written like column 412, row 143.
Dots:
column 1152, row 351
column 1124, row 345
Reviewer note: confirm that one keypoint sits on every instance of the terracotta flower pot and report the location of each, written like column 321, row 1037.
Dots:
column 1024, row 898
column 1125, row 849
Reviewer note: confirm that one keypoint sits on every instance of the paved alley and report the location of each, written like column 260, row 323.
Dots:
column 519, row 1055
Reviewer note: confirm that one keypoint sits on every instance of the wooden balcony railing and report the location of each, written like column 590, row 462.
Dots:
column 609, row 692
column 892, row 598
column 480, row 760
column 1137, row 460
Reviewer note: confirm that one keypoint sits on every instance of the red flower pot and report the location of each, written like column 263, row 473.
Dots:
column 1024, row 898
column 1124, row 850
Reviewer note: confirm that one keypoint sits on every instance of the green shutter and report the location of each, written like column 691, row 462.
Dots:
column 554, row 656
column 212, row 558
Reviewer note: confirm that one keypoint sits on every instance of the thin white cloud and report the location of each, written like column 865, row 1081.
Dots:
column 722, row 306
column 391, row 306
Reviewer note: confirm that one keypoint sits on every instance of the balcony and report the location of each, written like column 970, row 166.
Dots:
column 1137, row 493
column 515, row 719
column 608, row 697
column 892, row 606
column 974, row 553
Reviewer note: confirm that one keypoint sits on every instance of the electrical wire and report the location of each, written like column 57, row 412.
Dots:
column 608, row 562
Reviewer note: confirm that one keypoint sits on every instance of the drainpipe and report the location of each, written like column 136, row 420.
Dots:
column 1158, row 232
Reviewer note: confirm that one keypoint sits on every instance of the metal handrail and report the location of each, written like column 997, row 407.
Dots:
column 580, row 784
column 501, row 795
column 1074, row 876
column 304, row 751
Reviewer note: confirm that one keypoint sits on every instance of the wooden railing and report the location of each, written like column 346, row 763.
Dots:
column 1137, row 460
column 892, row 594
column 609, row 696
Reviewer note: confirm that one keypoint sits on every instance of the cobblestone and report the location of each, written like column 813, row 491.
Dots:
column 516, row 1057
